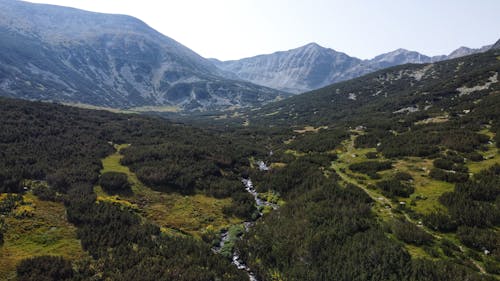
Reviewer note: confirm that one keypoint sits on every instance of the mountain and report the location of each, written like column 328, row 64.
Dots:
column 465, row 51
column 295, row 70
column 312, row 66
column 68, row 55
column 451, row 85
column 397, row 57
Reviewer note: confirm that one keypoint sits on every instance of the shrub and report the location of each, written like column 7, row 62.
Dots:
column 440, row 221
column 45, row 193
column 448, row 176
column 371, row 167
column 9, row 183
column 10, row 202
column 479, row 239
column 410, row 233
column 114, row 182
column 393, row 187
column 243, row 205
column 448, row 247
column 474, row 156
column 44, row 268
column 403, row 176
column 24, row 211
column 444, row 164
column 59, row 180
column 492, row 266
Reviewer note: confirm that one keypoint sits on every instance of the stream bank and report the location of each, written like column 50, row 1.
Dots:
column 231, row 234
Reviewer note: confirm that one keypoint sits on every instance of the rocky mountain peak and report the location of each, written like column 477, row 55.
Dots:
column 312, row 66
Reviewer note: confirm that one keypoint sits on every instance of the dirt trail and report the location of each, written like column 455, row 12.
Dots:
column 385, row 205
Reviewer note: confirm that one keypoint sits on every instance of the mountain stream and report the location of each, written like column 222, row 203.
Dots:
column 236, row 259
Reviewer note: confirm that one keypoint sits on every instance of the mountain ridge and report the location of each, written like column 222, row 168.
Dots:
column 293, row 75
column 69, row 55
column 396, row 90
column 286, row 67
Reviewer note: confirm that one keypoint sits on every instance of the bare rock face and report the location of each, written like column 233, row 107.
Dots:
column 297, row 70
column 312, row 66
column 68, row 55
column 465, row 51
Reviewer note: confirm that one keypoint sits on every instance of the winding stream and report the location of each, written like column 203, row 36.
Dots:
column 236, row 260
column 259, row 202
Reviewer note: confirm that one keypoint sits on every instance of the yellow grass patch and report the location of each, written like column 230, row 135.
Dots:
column 295, row 152
column 190, row 214
column 46, row 232
column 166, row 108
column 277, row 165
column 437, row 119
column 310, row 129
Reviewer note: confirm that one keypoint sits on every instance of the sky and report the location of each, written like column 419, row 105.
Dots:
column 234, row 29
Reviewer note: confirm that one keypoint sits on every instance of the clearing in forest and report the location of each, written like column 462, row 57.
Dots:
column 172, row 211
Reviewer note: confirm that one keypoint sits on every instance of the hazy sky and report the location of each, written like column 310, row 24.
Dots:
column 232, row 29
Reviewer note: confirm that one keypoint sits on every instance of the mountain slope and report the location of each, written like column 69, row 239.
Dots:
column 68, row 55
column 465, row 51
column 375, row 189
column 312, row 66
column 427, row 88
column 295, row 70
column 422, row 142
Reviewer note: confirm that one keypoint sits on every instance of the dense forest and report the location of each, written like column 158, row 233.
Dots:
column 328, row 232
column 372, row 192
column 63, row 146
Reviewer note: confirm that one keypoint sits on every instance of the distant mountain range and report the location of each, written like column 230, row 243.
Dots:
column 312, row 66
column 447, row 88
column 68, row 55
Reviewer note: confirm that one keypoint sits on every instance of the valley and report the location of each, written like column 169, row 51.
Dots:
column 125, row 155
column 301, row 168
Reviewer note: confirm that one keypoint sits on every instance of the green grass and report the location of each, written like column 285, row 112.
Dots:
column 307, row 128
column 192, row 214
column 166, row 108
column 295, row 153
column 417, row 252
column 347, row 155
column 94, row 107
column 173, row 212
column 418, row 168
column 427, row 189
column 491, row 155
column 272, row 197
column 233, row 234
column 46, row 233
column 431, row 191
